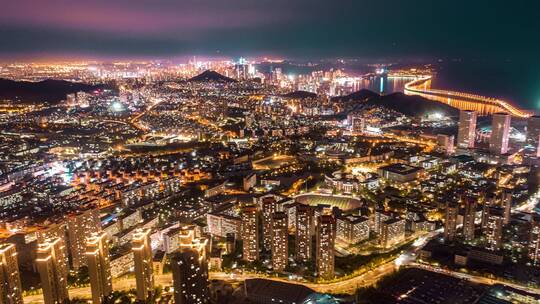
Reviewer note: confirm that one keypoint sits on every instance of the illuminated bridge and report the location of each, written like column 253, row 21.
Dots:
column 463, row 101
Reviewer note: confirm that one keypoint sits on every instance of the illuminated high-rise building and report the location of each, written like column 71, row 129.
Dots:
column 10, row 280
column 469, row 218
column 190, row 273
column 445, row 143
column 269, row 207
column 466, row 129
column 280, row 243
column 142, row 255
column 304, row 228
column 506, row 204
column 53, row 231
column 326, row 236
column 494, row 228
column 99, row 268
column 533, row 136
column 534, row 241
column 79, row 227
column 52, row 266
column 250, row 233
column 392, row 232
column 500, row 132
column 450, row 221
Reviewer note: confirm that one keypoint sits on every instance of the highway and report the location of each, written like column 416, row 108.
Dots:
column 464, row 101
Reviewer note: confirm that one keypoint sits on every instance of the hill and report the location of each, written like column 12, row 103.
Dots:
column 300, row 95
column 361, row 95
column 51, row 91
column 211, row 76
column 412, row 105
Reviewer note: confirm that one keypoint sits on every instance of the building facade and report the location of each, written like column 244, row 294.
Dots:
column 326, row 235
column 466, row 129
column 500, row 133
column 99, row 267
column 52, row 266
column 280, row 241
column 250, row 233
column 143, row 260
column 10, row 280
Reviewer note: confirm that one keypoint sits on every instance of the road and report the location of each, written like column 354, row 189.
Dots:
column 463, row 101
column 346, row 286
column 473, row 278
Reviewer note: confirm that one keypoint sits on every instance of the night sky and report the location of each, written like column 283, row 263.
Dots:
column 286, row 28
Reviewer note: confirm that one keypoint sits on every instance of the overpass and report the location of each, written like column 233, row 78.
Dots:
column 463, row 101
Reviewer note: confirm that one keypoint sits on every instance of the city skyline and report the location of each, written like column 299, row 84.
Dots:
column 255, row 152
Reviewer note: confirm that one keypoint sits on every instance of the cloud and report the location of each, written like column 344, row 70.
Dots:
column 139, row 16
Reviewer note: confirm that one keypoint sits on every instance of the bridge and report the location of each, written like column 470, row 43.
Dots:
column 463, row 101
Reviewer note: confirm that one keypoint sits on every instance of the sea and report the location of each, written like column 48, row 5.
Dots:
column 516, row 82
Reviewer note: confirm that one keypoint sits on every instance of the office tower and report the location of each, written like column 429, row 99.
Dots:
column 52, row 266
column 142, row 256
column 506, row 204
column 466, row 129
column 79, row 227
column 533, row 136
column 99, row 269
column 493, row 228
column 534, row 241
column 250, row 233
column 468, row 219
column 450, row 221
column 304, row 228
column 500, row 132
column 10, row 280
column 392, row 232
column 280, row 241
column 190, row 273
column 268, row 206
column 326, row 236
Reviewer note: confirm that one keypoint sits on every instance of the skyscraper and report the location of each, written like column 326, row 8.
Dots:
column 450, row 221
column 190, row 273
column 79, row 228
column 304, row 227
column 280, row 244
column 493, row 228
column 533, row 136
column 534, row 241
column 468, row 218
column 142, row 255
column 53, row 231
column 250, row 233
column 10, row 280
column 99, row 269
column 466, row 129
column 269, row 207
column 326, row 236
column 51, row 263
column 500, row 132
